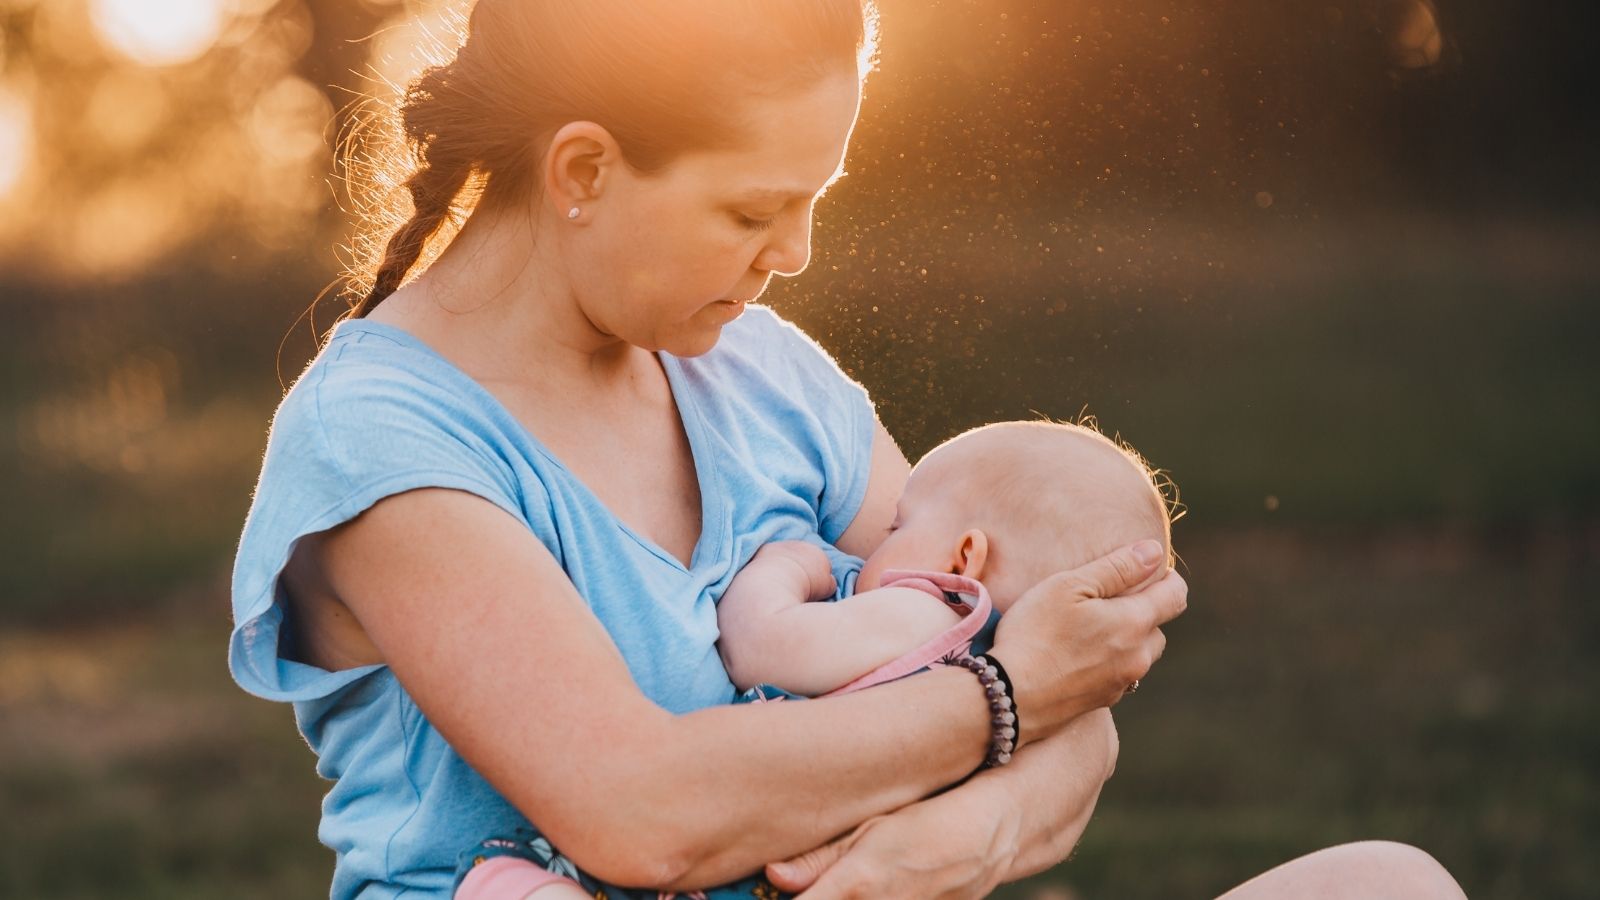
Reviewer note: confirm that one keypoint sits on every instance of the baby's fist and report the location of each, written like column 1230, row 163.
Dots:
column 812, row 562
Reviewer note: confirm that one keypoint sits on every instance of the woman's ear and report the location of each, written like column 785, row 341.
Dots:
column 972, row 554
column 578, row 165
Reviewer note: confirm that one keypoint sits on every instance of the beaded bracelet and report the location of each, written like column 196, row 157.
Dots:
column 1002, row 711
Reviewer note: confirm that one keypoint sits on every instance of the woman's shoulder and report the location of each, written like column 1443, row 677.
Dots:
column 366, row 362
column 376, row 408
column 374, row 381
column 371, row 417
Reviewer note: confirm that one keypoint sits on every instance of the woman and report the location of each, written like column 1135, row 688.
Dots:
column 497, row 510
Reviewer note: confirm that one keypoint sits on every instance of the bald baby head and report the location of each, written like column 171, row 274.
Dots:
column 1047, row 496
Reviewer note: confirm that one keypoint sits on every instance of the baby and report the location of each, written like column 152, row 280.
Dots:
column 1005, row 505
column 984, row 517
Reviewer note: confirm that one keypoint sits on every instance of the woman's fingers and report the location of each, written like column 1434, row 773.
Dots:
column 1138, row 666
column 795, row 875
column 1118, row 572
column 1079, row 638
column 1165, row 600
column 917, row 853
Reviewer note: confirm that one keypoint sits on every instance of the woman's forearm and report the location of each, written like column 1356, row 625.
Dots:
column 667, row 813
column 1044, row 800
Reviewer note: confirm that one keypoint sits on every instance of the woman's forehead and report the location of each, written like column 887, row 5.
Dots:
column 791, row 145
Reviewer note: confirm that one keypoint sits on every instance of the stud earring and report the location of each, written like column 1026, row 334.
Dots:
column 572, row 213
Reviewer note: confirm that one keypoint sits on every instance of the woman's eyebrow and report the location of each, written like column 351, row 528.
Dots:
column 759, row 194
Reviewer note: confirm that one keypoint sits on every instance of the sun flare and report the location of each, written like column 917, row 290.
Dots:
column 158, row 32
column 16, row 139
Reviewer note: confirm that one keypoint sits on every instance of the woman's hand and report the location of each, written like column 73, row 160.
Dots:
column 1001, row 825
column 1075, row 642
column 925, row 850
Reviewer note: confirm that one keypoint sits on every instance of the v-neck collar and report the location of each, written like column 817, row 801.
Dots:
column 708, row 545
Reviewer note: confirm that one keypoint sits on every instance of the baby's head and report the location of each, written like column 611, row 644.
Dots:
column 1015, row 502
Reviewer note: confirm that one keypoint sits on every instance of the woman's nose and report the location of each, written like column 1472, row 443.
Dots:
column 789, row 249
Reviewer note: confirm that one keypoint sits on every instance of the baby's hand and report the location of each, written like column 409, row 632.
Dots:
column 812, row 563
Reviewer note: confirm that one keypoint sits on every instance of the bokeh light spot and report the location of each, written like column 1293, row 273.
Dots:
column 287, row 122
column 1415, row 41
column 158, row 32
column 16, row 139
column 126, row 109
column 127, row 226
column 414, row 40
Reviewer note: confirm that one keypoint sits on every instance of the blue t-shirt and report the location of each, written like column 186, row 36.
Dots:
column 781, row 442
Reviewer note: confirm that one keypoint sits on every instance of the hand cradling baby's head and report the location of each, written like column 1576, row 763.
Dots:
column 1014, row 502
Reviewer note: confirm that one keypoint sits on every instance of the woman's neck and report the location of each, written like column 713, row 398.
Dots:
column 498, row 305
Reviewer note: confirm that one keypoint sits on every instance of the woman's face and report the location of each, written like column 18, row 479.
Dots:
column 674, row 257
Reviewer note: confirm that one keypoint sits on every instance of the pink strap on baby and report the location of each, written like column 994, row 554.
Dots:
column 505, row 878
column 954, row 640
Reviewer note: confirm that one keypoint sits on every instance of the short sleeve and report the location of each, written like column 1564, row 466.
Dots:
column 846, row 419
column 345, row 437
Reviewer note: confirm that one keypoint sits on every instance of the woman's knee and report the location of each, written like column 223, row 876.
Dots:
column 1412, row 871
column 1366, row 869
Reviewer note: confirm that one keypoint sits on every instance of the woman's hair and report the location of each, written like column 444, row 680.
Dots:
column 664, row 77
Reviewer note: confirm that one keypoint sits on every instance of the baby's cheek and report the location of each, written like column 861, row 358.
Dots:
column 871, row 573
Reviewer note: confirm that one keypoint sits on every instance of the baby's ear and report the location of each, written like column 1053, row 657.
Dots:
column 972, row 554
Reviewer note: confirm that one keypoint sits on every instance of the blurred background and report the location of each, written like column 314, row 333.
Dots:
column 1332, row 264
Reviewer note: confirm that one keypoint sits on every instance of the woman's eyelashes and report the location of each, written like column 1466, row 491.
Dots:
column 756, row 224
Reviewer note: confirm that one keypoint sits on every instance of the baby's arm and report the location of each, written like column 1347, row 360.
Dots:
column 771, row 634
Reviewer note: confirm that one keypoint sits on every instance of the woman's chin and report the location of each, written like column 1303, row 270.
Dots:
column 706, row 328
column 698, row 344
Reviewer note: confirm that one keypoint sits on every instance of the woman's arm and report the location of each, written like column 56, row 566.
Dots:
column 1006, row 833
column 885, row 483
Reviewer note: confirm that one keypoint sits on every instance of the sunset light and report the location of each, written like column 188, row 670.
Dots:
column 158, row 32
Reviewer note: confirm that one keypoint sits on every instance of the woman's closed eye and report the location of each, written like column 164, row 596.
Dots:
column 755, row 224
